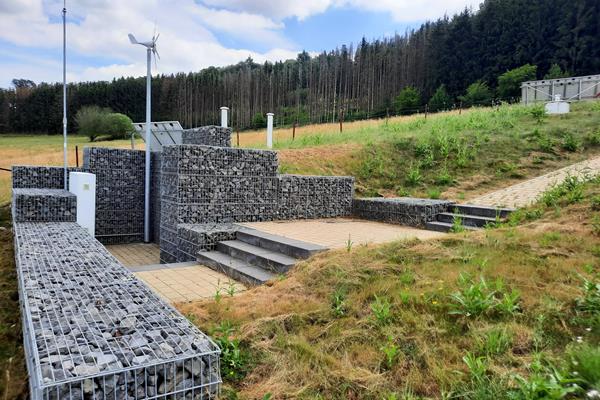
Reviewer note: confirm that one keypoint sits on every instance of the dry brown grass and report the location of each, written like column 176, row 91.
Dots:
column 302, row 350
column 43, row 150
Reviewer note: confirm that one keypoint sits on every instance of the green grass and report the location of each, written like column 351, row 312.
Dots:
column 485, row 147
column 511, row 312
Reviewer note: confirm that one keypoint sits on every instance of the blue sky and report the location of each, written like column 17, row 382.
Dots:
column 194, row 34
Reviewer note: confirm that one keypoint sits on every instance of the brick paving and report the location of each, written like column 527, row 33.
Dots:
column 527, row 192
column 334, row 232
column 176, row 282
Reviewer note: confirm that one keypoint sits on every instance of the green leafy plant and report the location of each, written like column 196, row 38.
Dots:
column 434, row 193
column 391, row 352
column 338, row 303
column 444, row 177
column 569, row 142
column 538, row 113
column 457, row 224
column 509, row 303
column 595, row 203
column 477, row 366
column 495, row 342
column 231, row 288
column 473, row 299
column 349, row 244
column 414, row 177
column 550, row 384
column 235, row 359
column 382, row 310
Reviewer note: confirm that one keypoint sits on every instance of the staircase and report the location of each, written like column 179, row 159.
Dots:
column 255, row 257
column 471, row 217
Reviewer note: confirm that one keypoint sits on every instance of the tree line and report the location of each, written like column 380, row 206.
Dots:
column 352, row 82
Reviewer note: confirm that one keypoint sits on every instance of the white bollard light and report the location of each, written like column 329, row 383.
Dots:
column 83, row 185
column 224, row 116
column 270, row 130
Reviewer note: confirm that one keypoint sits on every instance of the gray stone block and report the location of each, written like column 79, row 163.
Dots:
column 43, row 205
column 401, row 210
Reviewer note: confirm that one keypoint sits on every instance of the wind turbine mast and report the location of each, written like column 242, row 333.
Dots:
column 64, row 18
column 150, row 48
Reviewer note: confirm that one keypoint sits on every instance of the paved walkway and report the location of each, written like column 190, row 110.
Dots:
column 526, row 193
column 334, row 232
column 176, row 283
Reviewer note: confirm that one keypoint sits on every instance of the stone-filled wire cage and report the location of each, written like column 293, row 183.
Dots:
column 93, row 331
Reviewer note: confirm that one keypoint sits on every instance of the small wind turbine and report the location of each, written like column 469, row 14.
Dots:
column 150, row 49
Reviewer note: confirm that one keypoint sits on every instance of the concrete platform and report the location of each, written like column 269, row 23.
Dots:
column 334, row 232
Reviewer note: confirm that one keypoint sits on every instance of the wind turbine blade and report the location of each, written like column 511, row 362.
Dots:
column 156, row 53
column 132, row 39
column 156, row 38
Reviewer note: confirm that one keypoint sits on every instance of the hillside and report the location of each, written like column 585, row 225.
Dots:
column 445, row 155
column 506, row 313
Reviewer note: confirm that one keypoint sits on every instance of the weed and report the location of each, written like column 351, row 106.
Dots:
column 473, row 299
column 349, row 244
column 538, row 113
column 477, row 366
column 596, row 225
column 495, row 342
column 414, row 177
column 234, row 359
column 590, row 301
column 569, row 191
column 596, row 203
column 231, row 288
column 434, row 193
column 457, row 224
column 338, row 303
column 444, row 177
column 218, row 295
column 391, row 351
column 584, row 362
column 569, row 142
column 593, row 139
column 382, row 310
column 402, row 192
column 508, row 305
column 545, row 143
column 549, row 384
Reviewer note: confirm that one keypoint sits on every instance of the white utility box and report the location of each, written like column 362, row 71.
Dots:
column 83, row 185
column 558, row 106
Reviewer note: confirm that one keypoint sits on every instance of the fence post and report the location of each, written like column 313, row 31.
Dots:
column 270, row 130
column 341, row 119
column 460, row 108
column 224, row 116
column 426, row 110
column 238, row 138
column 77, row 156
column 294, row 131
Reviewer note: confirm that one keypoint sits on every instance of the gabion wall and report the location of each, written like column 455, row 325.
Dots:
column 43, row 205
column 119, row 193
column 204, row 184
column 26, row 176
column 93, row 331
column 302, row 196
column 210, row 135
column 402, row 210
column 194, row 238
column 155, row 195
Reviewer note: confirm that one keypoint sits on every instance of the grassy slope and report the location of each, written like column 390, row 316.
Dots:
column 13, row 378
column 42, row 150
column 455, row 156
column 314, row 334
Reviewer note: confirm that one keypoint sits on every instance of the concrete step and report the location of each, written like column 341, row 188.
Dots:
column 290, row 247
column 235, row 268
column 257, row 256
column 466, row 220
column 444, row 226
column 481, row 211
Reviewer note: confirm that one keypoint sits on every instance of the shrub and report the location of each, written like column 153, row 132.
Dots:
column 569, row 142
column 509, row 83
column 444, row 177
column 408, row 101
column 440, row 100
column 118, row 126
column 556, row 72
column 259, row 121
column 538, row 112
column 90, row 121
column 478, row 93
column 593, row 139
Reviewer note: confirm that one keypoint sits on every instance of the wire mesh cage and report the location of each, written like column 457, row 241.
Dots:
column 93, row 331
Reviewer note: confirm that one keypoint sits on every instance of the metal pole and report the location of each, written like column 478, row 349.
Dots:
column 64, row 15
column 148, row 122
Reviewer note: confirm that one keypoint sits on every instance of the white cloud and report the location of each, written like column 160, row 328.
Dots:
column 401, row 10
column 98, row 29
